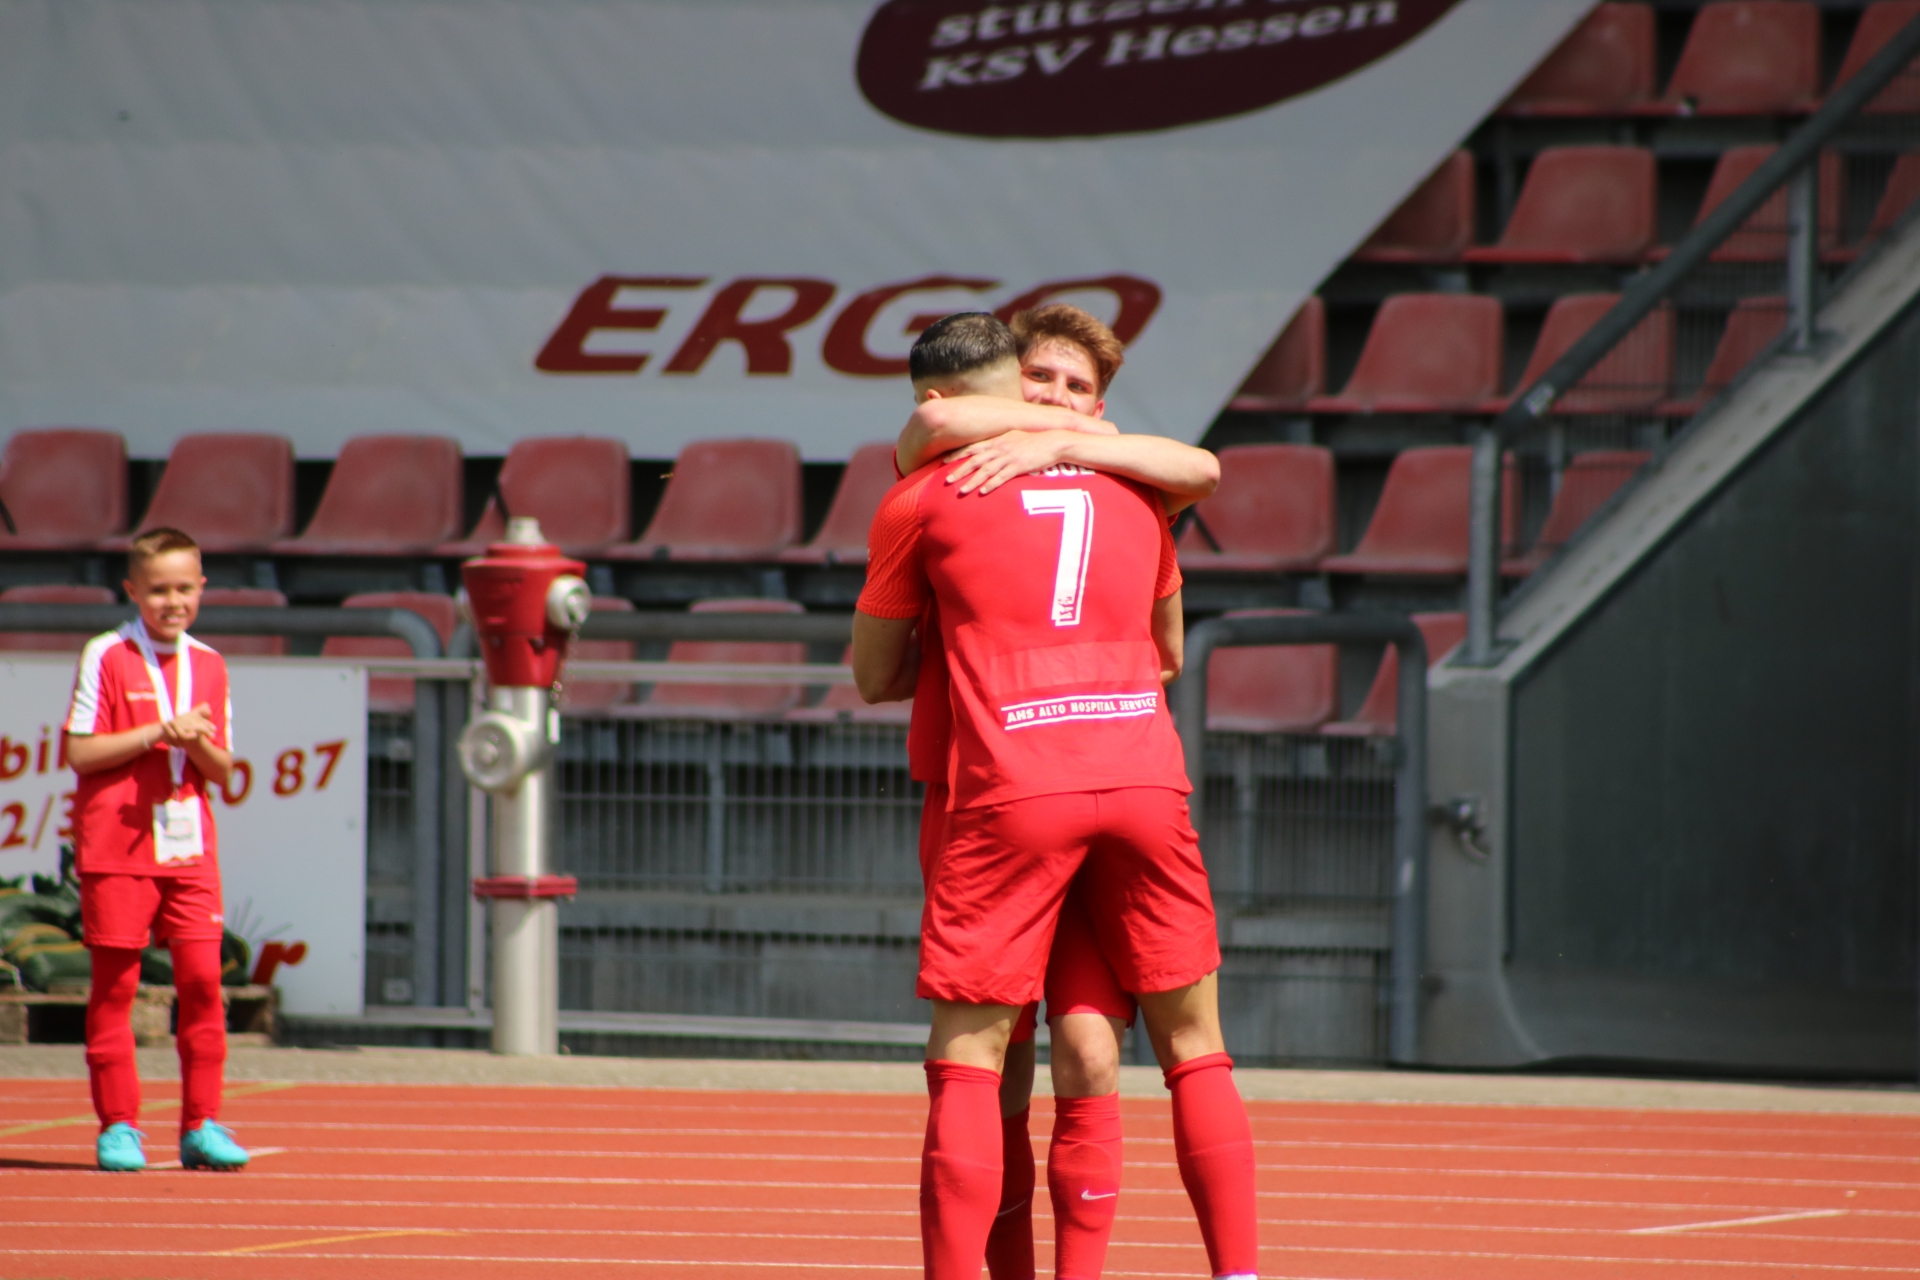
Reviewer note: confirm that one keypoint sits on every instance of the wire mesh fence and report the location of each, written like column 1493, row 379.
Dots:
column 723, row 807
column 390, row 858
column 792, row 811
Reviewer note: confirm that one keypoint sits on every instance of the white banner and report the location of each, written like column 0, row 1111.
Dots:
column 292, row 821
column 671, row 219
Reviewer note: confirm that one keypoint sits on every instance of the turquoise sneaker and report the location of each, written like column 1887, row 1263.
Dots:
column 211, row 1146
column 117, row 1150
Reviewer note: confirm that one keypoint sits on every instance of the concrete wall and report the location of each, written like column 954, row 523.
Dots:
column 1712, row 853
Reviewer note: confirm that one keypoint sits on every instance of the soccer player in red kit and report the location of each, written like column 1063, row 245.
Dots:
column 150, row 729
column 1059, row 617
column 1068, row 359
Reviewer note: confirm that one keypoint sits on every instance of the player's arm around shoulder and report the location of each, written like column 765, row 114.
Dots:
column 943, row 424
column 1182, row 473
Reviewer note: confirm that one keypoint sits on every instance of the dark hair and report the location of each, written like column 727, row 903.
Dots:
column 1063, row 323
column 961, row 343
column 158, row 542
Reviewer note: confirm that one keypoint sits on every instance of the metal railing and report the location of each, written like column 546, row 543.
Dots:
column 1409, row 874
column 1752, row 265
column 819, row 814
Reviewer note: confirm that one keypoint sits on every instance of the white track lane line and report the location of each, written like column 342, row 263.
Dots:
column 1478, row 1255
column 1530, row 1202
column 1368, row 1171
column 1118, row 1242
column 1847, row 1124
column 831, row 1267
column 1297, row 1144
column 1738, row 1222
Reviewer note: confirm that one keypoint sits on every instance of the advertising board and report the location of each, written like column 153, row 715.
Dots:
column 667, row 220
column 292, row 820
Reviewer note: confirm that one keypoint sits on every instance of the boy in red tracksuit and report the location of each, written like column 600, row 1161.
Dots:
column 149, row 731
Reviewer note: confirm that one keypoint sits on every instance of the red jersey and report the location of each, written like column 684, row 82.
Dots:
column 1045, row 591
column 113, row 809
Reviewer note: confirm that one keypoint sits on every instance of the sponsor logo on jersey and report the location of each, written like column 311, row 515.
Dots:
column 1080, row 706
column 1088, row 68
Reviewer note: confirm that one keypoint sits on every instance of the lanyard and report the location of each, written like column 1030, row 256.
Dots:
column 183, row 678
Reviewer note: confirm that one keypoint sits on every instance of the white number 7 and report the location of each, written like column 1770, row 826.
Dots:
column 1075, row 506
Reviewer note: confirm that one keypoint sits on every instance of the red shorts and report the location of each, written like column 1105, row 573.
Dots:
column 1079, row 979
column 994, row 894
column 120, row 911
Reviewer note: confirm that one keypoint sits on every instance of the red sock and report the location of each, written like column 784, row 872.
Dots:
column 1010, row 1243
column 200, row 1030
column 959, row 1169
column 1083, row 1179
column 110, row 1066
column 1213, row 1144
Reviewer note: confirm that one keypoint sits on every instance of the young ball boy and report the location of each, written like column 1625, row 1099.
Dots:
column 149, row 731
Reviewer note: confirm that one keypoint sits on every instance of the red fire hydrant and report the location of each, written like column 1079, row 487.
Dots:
column 527, row 601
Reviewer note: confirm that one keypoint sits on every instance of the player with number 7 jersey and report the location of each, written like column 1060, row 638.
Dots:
column 1045, row 589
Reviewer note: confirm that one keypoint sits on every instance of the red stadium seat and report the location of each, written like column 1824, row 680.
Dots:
column 1273, row 512
column 1899, row 195
column 1379, row 715
column 233, row 493
column 844, row 705
column 578, row 487
column 392, row 693
column 1419, row 528
column 1752, row 325
column 1581, row 204
column 1426, row 353
column 50, row 641
column 388, row 495
column 842, row 538
column 65, row 488
column 595, row 697
column 1878, row 24
column 245, row 598
column 727, row 500
column 1294, row 369
column 1763, row 237
column 1636, row 376
column 1434, row 224
column 1585, row 486
column 1279, row 688
column 1748, row 57
column 1605, row 67
column 726, row 701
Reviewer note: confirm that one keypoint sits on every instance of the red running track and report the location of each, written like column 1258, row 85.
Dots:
column 418, row 1183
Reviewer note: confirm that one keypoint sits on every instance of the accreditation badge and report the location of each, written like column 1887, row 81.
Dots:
column 176, row 831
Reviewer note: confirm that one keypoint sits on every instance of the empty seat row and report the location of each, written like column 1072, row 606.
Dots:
column 1598, row 204
column 1741, row 57
column 1274, row 513
column 1296, row 688
column 402, row 495
column 1443, row 353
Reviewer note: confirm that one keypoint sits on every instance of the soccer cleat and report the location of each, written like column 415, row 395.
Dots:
column 118, row 1150
column 211, row 1146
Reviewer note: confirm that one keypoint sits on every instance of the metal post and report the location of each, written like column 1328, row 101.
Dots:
column 1483, row 547
column 1803, row 255
column 1407, row 961
column 526, row 931
column 427, row 860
